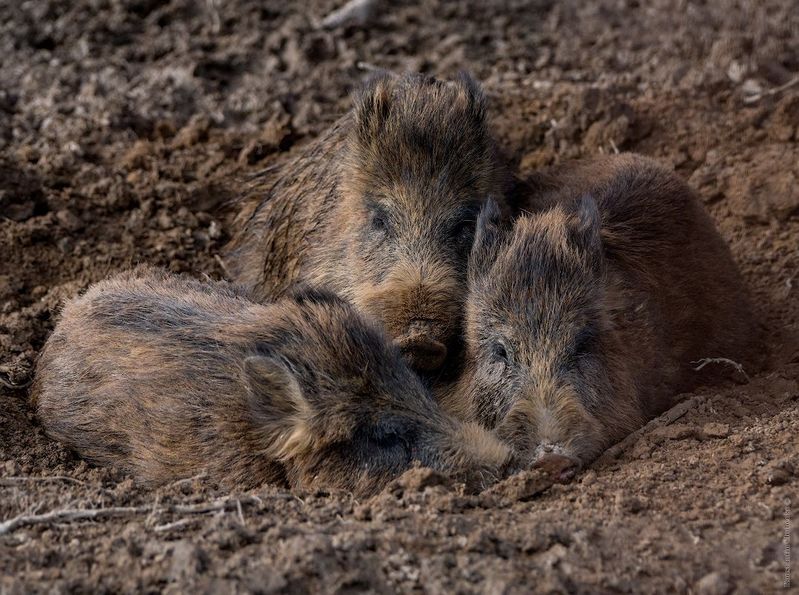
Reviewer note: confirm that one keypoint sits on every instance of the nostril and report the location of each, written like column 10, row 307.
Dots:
column 557, row 466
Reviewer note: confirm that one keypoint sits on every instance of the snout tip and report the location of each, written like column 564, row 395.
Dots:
column 424, row 353
column 560, row 467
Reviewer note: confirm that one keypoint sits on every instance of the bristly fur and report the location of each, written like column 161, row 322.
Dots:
column 381, row 209
column 584, row 320
column 167, row 377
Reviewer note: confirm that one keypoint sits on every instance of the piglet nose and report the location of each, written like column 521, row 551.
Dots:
column 424, row 353
column 559, row 467
column 420, row 347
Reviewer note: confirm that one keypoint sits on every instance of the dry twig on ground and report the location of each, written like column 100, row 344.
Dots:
column 720, row 360
column 73, row 515
column 665, row 419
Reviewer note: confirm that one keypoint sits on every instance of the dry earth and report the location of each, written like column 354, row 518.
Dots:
column 126, row 126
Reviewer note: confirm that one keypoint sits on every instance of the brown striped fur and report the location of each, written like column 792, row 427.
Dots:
column 587, row 318
column 168, row 377
column 381, row 209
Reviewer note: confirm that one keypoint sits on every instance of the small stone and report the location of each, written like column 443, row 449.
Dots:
column 751, row 87
column 192, row 133
column 165, row 221
column 68, row 220
column 780, row 473
column 716, row 430
column 135, row 157
column 19, row 211
column 214, row 230
column 713, row 584
column 11, row 468
column 188, row 560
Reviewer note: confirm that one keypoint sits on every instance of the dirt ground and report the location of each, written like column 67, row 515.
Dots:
column 126, row 128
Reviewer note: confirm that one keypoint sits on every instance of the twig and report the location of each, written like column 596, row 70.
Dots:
column 174, row 525
column 8, row 384
column 758, row 96
column 665, row 419
column 241, row 513
column 720, row 360
column 354, row 12
column 12, row 481
column 223, row 266
column 58, row 516
column 15, row 481
column 72, row 515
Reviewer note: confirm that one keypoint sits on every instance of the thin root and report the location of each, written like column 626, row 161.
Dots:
column 769, row 92
column 8, row 384
column 73, row 515
column 720, row 360
column 665, row 419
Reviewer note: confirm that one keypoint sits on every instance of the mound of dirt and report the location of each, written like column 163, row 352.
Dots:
column 127, row 127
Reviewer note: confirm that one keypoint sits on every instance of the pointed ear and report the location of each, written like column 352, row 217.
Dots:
column 276, row 398
column 373, row 104
column 585, row 225
column 486, row 238
column 472, row 94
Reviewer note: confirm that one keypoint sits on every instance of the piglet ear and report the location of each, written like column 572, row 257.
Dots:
column 585, row 225
column 472, row 95
column 277, row 406
column 486, row 238
column 373, row 104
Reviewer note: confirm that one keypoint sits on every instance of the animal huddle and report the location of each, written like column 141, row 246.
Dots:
column 400, row 297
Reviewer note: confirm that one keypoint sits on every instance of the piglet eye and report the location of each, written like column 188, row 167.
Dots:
column 584, row 342
column 388, row 440
column 463, row 231
column 379, row 222
column 499, row 353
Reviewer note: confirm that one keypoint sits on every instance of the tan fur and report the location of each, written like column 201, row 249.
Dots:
column 586, row 319
column 381, row 209
column 167, row 377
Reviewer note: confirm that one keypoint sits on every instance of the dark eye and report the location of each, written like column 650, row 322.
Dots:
column 379, row 222
column 584, row 342
column 463, row 231
column 499, row 353
column 388, row 440
column 378, row 218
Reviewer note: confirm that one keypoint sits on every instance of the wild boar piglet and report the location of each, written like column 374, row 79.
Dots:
column 588, row 317
column 381, row 208
column 168, row 377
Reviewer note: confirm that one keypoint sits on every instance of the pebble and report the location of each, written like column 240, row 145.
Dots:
column 716, row 430
column 713, row 584
column 68, row 220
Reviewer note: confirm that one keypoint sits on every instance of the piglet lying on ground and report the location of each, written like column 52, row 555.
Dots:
column 167, row 377
column 589, row 316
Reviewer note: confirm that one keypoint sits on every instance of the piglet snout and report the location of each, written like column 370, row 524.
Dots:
column 560, row 467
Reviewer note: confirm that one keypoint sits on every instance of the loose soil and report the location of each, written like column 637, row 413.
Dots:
column 128, row 126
